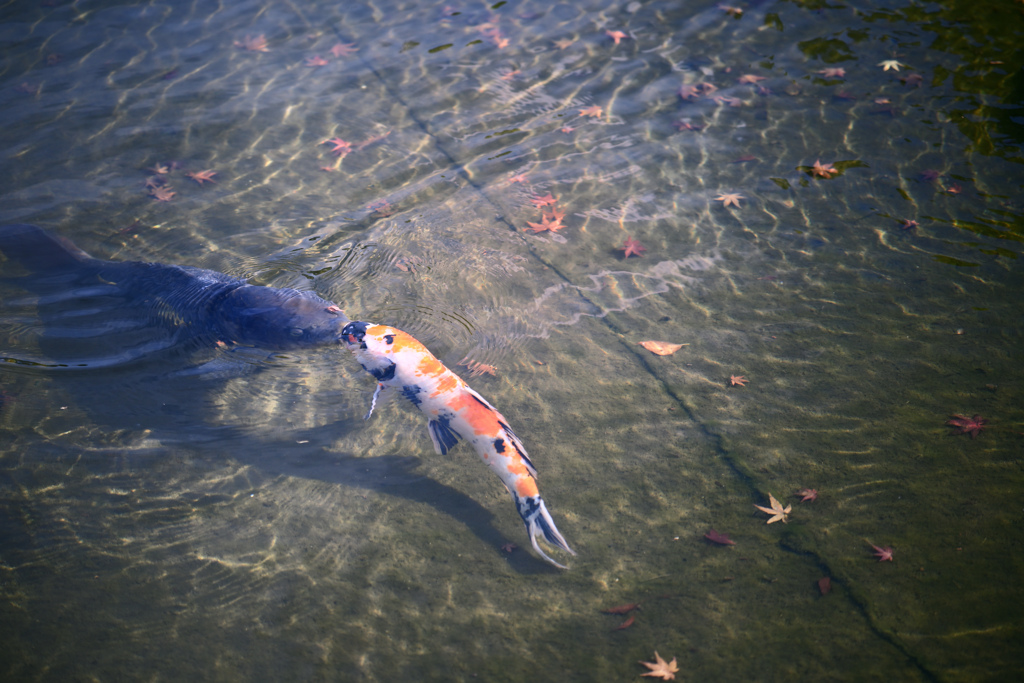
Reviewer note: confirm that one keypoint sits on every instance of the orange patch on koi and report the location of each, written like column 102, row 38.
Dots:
column 401, row 340
column 446, row 384
column 527, row 487
column 483, row 421
column 430, row 366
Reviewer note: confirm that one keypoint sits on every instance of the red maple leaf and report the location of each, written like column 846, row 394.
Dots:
column 962, row 424
column 631, row 247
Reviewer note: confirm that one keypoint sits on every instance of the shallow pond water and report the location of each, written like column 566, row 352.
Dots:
column 828, row 201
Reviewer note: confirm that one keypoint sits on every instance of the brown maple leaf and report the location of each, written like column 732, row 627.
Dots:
column 625, row 624
column 162, row 193
column 807, row 495
column 883, row 554
column 617, row 36
column 659, row 668
column 728, row 199
column 340, row 147
column 253, row 43
column 690, row 91
column 477, row 368
column 719, row 538
column 556, row 214
column 547, row 222
column 823, row 170
column 546, row 200
column 541, row 202
column 344, row 49
column 661, row 348
column 202, row 176
column 962, row 424
column 777, row 512
column 622, row 609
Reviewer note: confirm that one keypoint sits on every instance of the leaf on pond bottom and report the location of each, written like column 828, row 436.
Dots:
column 661, row 348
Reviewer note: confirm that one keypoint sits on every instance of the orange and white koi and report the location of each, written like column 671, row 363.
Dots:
column 396, row 359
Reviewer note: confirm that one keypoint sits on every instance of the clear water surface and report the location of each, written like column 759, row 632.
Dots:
column 212, row 514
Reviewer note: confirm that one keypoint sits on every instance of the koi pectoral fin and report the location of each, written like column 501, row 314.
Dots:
column 443, row 436
column 539, row 524
column 373, row 401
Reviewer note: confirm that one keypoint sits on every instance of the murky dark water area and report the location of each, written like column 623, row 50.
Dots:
column 827, row 201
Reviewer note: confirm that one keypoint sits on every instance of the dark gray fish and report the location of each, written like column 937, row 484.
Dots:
column 109, row 312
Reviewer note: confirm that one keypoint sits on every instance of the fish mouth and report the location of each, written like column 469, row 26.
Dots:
column 353, row 333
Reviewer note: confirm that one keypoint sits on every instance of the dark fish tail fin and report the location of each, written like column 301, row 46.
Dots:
column 39, row 251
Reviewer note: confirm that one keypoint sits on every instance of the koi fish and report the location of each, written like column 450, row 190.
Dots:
column 398, row 360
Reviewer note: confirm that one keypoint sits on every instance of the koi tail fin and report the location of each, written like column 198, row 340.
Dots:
column 539, row 524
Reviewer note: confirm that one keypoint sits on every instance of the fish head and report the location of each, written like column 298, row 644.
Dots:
column 353, row 335
column 370, row 349
column 278, row 318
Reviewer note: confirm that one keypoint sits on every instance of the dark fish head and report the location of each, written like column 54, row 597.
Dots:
column 280, row 318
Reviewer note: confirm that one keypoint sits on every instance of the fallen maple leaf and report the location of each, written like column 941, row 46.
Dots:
column 750, row 78
column 616, row 36
column 344, row 49
column 477, row 368
column 659, row 668
column 823, row 170
column 719, row 538
column 162, row 193
column 622, row 609
column 202, row 176
column 253, row 44
column 546, row 200
column 626, row 624
column 661, row 348
column 632, row 246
